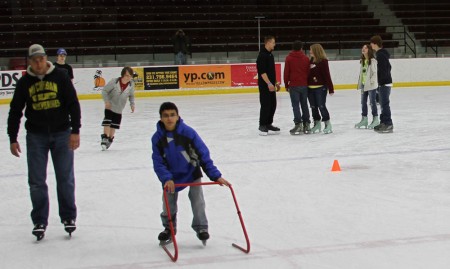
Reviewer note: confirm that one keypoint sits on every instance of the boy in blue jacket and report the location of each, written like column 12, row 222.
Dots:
column 178, row 154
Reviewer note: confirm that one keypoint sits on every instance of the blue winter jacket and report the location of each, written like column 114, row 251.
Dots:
column 178, row 155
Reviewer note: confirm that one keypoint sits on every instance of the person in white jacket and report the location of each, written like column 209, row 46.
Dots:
column 115, row 95
column 367, row 84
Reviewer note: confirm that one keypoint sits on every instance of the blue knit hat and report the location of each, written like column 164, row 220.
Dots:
column 61, row 51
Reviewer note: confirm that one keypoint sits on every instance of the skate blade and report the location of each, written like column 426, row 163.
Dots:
column 204, row 242
column 163, row 243
column 274, row 132
column 263, row 133
column 70, row 230
column 104, row 147
column 39, row 237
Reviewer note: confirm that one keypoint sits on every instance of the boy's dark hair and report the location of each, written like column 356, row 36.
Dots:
column 167, row 106
column 268, row 38
column 125, row 70
column 377, row 40
column 297, row 45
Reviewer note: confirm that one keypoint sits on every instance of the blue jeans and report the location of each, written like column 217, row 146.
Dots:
column 372, row 95
column 180, row 58
column 199, row 221
column 384, row 92
column 317, row 98
column 38, row 146
column 299, row 97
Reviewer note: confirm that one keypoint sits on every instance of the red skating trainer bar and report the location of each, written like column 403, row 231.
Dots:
column 174, row 240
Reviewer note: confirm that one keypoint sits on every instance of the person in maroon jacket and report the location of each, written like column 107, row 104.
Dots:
column 319, row 82
column 296, row 70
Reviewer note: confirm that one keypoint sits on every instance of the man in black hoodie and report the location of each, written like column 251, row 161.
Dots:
column 384, row 85
column 53, row 117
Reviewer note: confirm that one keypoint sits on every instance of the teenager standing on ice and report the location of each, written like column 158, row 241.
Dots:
column 368, row 84
column 384, row 85
column 178, row 155
column 115, row 95
column 319, row 85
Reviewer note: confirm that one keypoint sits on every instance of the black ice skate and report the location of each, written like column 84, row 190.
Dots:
column 69, row 226
column 104, row 142
column 263, row 131
column 39, row 231
column 203, row 235
column 165, row 237
column 384, row 128
column 272, row 129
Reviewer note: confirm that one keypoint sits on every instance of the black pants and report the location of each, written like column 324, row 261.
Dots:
column 268, row 101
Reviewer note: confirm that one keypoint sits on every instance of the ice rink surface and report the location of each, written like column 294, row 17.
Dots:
column 389, row 207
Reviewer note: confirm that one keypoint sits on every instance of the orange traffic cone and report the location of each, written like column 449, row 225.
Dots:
column 336, row 167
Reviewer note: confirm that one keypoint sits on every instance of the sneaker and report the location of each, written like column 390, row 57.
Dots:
column 69, row 225
column 273, row 128
column 39, row 230
column 165, row 235
column 203, row 235
column 384, row 128
column 263, row 131
column 298, row 129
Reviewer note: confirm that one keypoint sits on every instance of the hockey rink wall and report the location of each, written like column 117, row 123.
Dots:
column 231, row 78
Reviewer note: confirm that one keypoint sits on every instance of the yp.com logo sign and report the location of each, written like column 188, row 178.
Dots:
column 205, row 76
column 191, row 77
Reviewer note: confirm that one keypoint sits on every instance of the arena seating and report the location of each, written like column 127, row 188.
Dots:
column 88, row 27
column 429, row 20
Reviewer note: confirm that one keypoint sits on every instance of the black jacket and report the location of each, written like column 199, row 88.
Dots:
column 265, row 63
column 51, row 104
column 384, row 67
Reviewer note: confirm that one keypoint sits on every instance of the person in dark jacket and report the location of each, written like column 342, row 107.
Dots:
column 178, row 156
column 267, row 86
column 384, row 85
column 296, row 70
column 53, row 124
column 181, row 47
column 61, row 55
column 319, row 84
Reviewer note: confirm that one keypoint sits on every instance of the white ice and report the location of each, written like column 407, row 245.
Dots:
column 389, row 207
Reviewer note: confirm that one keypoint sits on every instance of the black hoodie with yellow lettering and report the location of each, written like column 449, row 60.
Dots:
column 51, row 104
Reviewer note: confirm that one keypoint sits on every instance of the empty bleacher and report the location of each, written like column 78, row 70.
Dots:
column 89, row 27
column 429, row 20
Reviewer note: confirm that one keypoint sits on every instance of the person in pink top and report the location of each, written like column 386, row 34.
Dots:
column 296, row 70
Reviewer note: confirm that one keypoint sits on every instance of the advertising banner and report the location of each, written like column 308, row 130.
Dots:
column 139, row 80
column 205, row 76
column 8, row 81
column 244, row 75
column 159, row 78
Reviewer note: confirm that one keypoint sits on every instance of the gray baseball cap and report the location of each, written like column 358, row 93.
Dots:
column 36, row 50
